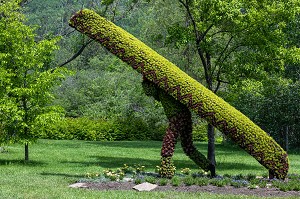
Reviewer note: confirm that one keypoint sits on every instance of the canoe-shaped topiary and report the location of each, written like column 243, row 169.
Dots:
column 185, row 89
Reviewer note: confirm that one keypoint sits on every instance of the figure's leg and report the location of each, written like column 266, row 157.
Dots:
column 167, row 169
column 180, row 122
column 188, row 147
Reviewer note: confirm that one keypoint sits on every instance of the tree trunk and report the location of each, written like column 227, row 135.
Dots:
column 286, row 139
column 211, row 144
column 26, row 152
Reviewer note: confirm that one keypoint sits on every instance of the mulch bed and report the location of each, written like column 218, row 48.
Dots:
column 265, row 192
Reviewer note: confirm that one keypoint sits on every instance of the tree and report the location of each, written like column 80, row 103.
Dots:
column 280, row 111
column 26, row 78
column 273, row 104
column 292, row 68
column 234, row 40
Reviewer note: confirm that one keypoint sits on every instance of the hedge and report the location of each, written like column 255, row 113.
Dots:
column 185, row 89
column 111, row 130
column 102, row 130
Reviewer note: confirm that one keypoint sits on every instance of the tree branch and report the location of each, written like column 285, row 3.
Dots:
column 219, row 81
column 205, row 32
column 76, row 54
column 132, row 6
column 191, row 18
column 199, row 38
column 90, row 41
column 221, row 31
column 238, row 46
column 222, row 53
column 196, row 32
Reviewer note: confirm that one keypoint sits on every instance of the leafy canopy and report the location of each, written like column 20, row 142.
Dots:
column 26, row 78
column 238, row 38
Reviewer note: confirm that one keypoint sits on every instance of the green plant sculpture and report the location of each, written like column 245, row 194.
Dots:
column 186, row 90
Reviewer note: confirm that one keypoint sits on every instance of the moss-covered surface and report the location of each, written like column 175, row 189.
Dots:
column 185, row 89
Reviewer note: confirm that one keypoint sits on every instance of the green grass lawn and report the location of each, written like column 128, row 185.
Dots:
column 56, row 164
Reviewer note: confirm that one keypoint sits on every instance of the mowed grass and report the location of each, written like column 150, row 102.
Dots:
column 55, row 164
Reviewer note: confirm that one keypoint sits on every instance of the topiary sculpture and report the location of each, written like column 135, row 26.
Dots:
column 186, row 90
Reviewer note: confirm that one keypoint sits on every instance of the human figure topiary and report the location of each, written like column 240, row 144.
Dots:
column 185, row 90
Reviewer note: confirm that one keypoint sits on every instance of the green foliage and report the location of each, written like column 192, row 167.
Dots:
column 202, row 181
column 138, row 181
column 273, row 104
column 219, row 182
column 52, row 18
column 182, row 87
column 239, row 183
column 279, row 111
column 81, row 129
column 235, row 39
column 200, row 132
column 151, row 179
column 163, row 182
column 189, row 180
column 113, row 93
column 107, row 2
column 98, row 130
column 175, row 181
column 27, row 78
column 136, row 128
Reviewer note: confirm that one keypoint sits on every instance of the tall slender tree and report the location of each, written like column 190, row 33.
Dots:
column 27, row 78
column 235, row 40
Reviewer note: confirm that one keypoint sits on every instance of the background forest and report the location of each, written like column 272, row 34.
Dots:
column 103, row 98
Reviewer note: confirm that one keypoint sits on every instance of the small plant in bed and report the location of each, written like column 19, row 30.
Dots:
column 175, row 181
column 151, row 179
column 189, row 180
column 163, row 181
column 220, row 181
column 202, row 181
column 186, row 171
column 290, row 185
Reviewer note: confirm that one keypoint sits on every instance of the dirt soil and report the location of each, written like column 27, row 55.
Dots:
column 265, row 192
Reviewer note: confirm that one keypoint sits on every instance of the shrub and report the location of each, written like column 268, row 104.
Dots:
column 175, row 181
column 202, row 181
column 150, row 179
column 291, row 185
column 133, row 128
column 163, row 181
column 239, row 183
column 219, row 182
column 138, row 181
column 189, row 180
column 103, row 130
column 200, row 132
column 250, row 177
column 82, row 129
